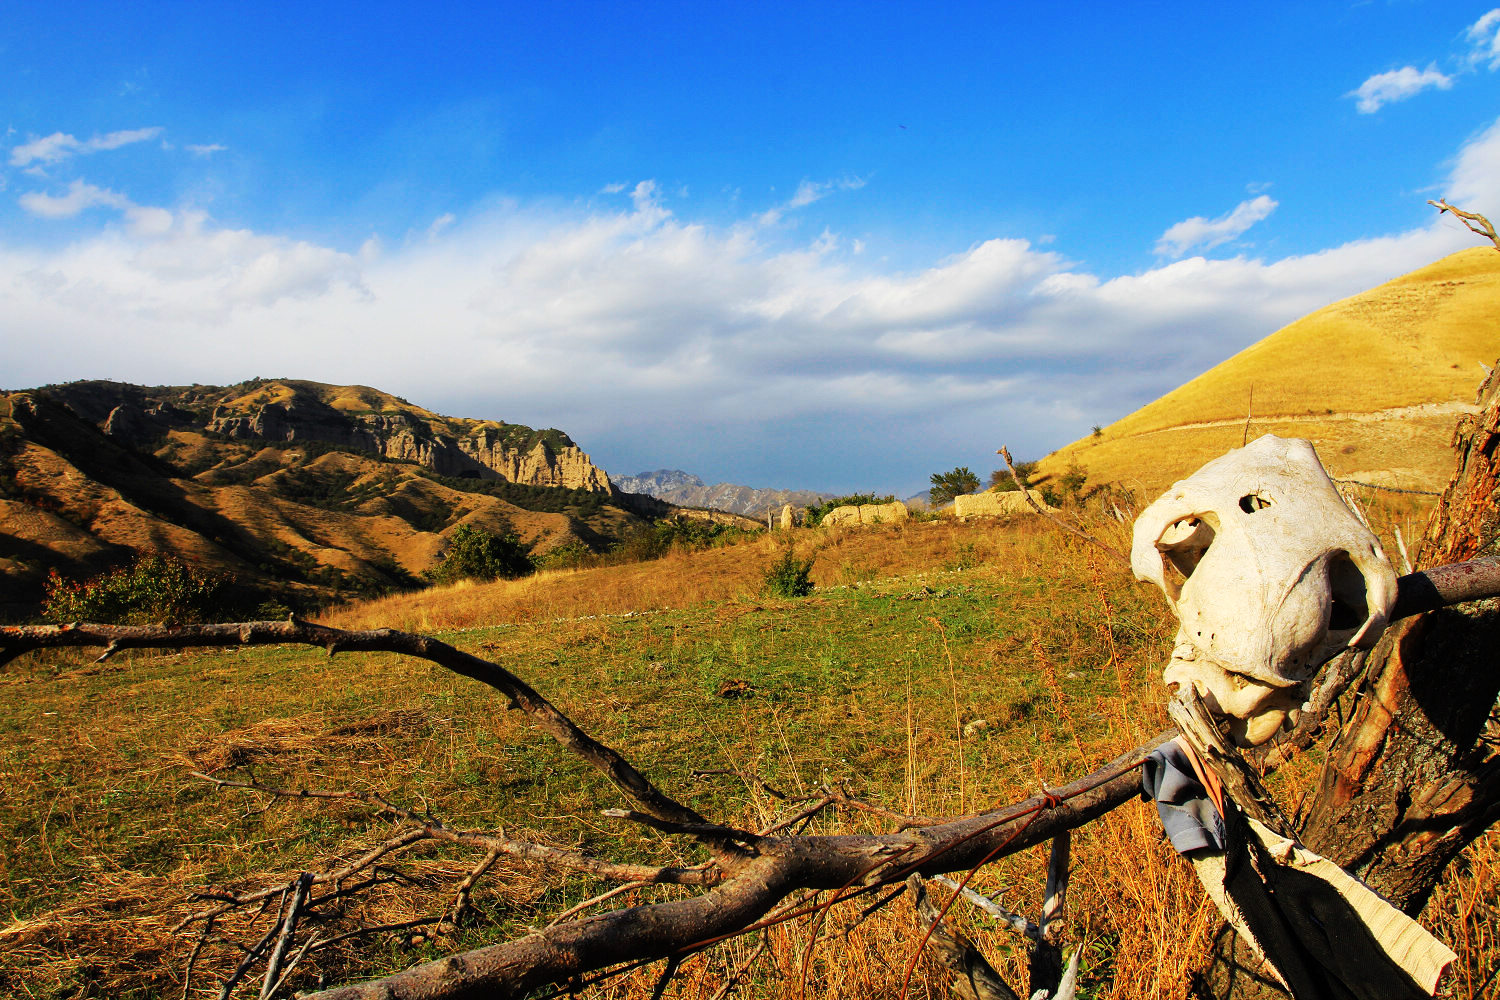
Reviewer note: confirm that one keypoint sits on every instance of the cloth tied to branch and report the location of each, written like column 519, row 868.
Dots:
column 1323, row 932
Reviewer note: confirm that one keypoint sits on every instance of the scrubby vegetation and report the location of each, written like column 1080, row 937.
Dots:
column 476, row 554
column 153, row 589
column 789, row 576
column 1002, row 481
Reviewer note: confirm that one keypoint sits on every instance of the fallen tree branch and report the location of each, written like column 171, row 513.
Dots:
column 17, row 639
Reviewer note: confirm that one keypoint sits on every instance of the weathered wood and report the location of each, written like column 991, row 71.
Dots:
column 1414, row 776
column 1411, row 782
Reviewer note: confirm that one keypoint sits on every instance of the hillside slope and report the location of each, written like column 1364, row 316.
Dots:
column 1375, row 381
column 309, row 490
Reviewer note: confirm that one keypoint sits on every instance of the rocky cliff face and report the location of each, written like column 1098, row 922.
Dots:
column 346, row 416
column 687, row 490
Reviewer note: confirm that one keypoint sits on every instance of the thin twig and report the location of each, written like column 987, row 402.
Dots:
column 1004, row 453
column 1249, row 409
column 288, row 928
column 466, row 887
column 1388, row 489
column 187, row 975
column 738, row 974
column 595, row 900
column 727, row 833
column 1014, row 921
column 251, row 954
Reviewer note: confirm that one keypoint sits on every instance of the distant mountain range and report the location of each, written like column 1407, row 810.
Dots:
column 686, row 490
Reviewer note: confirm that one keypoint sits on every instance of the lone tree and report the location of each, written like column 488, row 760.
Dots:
column 474, row 553
column 947, row 485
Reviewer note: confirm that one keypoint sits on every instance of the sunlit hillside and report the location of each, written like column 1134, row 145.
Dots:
column 1374, row 381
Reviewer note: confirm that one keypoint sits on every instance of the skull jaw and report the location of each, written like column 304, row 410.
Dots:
column 1255, row 711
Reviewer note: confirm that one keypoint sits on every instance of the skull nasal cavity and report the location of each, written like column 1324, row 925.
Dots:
column 1252, row 502
column 1349, row 608
column 1182, row 546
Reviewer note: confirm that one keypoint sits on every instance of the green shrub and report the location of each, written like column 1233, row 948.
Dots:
column 476, row 554
column 788, row 576
column 1072, row 481
column 153, row 589
column 573, row 555
column 684, row 533
column 1003, row 482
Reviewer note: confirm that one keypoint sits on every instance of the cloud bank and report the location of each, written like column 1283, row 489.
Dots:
column 660, row 341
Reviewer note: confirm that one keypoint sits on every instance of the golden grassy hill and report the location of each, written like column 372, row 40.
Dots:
column 1375, row 381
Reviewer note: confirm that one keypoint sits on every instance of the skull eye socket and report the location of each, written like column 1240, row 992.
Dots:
column 1252, row 502
column 1349, row 607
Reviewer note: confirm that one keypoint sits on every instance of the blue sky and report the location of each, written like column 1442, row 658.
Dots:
column 834, row 246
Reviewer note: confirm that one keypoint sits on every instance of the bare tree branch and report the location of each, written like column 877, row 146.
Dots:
column 1473, row 221
column 970, row 975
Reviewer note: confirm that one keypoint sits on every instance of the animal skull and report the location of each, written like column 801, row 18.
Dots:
column 1270, row 574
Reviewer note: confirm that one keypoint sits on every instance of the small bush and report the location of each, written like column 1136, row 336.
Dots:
column 1073, row 481
column 1003, row 482
column 788, row 576
column 573, row 555
column 476, row 554
column 684, row 534
column 153, row 589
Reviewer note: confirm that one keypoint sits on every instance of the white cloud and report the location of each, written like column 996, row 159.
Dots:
column 652, row 338
column 207, row 149
column 1397, row 85
column 1206, row 234
column 60, row 146
column 808, row 192
column 1474, row 182
column 614, row 188
column 144, row 220
column 1484, row 40
column 80, row 196
column 440, row 223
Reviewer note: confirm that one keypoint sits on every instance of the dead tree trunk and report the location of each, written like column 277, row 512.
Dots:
column 1414, row 776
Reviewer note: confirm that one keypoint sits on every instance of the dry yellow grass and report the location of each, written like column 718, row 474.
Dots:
column 1373, row 381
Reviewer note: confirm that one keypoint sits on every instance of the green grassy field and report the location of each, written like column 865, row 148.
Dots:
column 939, row 669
